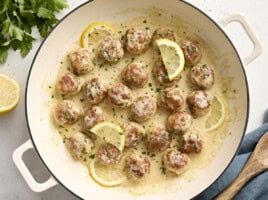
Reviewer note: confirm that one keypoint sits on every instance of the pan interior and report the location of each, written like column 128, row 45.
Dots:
column 48, row 142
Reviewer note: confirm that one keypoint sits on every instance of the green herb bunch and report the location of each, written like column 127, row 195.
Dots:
column 18, row 17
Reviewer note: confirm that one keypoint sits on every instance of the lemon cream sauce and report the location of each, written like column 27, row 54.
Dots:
column 159, row 179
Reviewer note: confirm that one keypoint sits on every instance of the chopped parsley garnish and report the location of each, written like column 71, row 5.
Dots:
column 63, row 96
column 84, row 150
column 163, row 168
column 158, row 89
column 152, row 155
column 64, row 139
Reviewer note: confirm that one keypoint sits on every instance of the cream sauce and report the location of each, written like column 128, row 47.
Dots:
column 112, row 75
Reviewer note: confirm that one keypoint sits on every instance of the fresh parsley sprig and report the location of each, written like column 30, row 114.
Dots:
column 18, row 17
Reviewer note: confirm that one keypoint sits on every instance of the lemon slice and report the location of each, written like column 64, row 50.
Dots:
column 172, row 56
column 217, row 113
column 111, row 133
column 94, row 32
column 9, row 95
column 107, row 175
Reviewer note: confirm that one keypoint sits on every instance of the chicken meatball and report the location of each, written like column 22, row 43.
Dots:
column 161, row 75
column 171, row 99
column 192, row 53
column 158, row 139
column 202, row 76
column 135, row 75
column 134, row 134
column 120, row 95
column 66, row 113
column 92, row 117
column 198, row 103
column 108, row 154
column 69, row 84
column 143, row 108
column 179, row 122
column 95, row 90
column 137, row 40
column 163, row 33
column 191, row 143
column 137, row 167
column 79, row 145
column 110, row 49
column 81, row 62
column 176, row 161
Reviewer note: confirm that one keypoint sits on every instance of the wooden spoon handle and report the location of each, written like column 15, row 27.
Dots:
column 251, row 169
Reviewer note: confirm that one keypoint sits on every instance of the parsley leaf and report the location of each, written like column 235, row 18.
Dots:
column 18, row 17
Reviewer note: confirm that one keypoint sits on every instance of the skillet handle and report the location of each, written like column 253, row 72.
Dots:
column 32, row 183
column 257, row 49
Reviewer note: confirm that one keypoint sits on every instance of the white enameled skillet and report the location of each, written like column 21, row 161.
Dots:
column 74, row 177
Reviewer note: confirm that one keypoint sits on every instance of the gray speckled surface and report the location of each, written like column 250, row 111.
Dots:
column 13, row 128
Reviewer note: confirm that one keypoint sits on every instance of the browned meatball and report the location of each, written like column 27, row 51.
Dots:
column 158, row 139
column 166, row 33
column 135, row 75
column 171, row 99
column 137, row 167
column 66, row 113
column 134, row 134
column 160, row 74
column 143, row 108
column 110, row 49
column 79, row 145
column 137, row 40
column 120, row 95
column 198, row 103
column 95, row 90
column 92, row 117
column 176, row 161
column 192, row 53
column 179, row 122
column 69, row 84
column 81, row 62
column 191, row 143
column 202, row 76
column 108, row 154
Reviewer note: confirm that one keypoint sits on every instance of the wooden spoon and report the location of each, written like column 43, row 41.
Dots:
column 257, row 163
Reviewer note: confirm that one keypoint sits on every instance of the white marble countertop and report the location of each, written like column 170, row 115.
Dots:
column 13, row 128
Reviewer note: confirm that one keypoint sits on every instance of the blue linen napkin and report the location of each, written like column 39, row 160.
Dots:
column 255, row 189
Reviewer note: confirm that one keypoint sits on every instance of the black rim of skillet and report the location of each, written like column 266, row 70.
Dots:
column 189, row 4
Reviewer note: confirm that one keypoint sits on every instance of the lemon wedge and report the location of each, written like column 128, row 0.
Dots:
column 107, row 175
column 172, row 56
column 9, row 95
column 217, row 113
column 94, row 32
column 111, row 133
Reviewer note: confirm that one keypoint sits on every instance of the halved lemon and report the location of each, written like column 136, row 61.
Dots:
column 217, row 114
column 111, row 133
column 107, row 175
column 172, row 56
column 9, row 95
column 94, row 32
